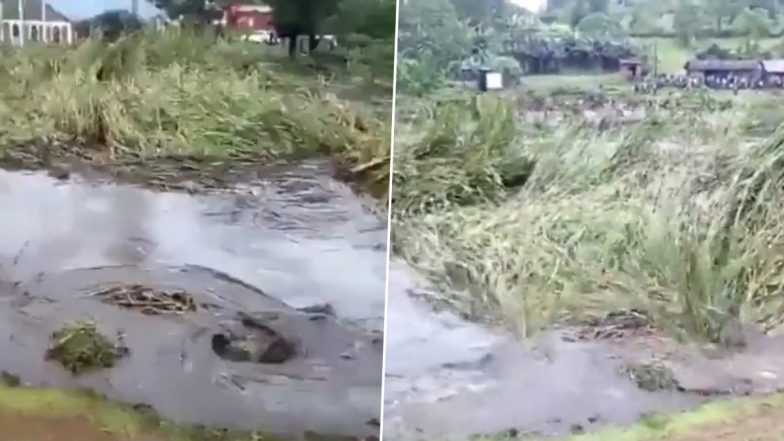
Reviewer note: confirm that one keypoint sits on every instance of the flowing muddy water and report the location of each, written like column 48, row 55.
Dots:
column 447, row 378
column 288, row 241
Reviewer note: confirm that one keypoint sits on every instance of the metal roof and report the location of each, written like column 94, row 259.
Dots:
column 729, row 65
column 773, row 66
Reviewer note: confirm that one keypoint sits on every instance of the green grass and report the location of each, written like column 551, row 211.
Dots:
column 107, row 417
column 541, row 225
column 673, row 426
column 181, row 93
column 574, row 83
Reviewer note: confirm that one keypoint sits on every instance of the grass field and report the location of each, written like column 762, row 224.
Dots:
column 532, row 226
column 153, row 95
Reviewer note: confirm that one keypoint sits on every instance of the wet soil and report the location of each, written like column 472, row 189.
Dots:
column 287, row 243
column 449, row 378
column 21, row 427
column 163, row 172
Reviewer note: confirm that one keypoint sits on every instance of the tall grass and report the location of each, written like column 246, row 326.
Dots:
column 678, row 215
column 183, row 93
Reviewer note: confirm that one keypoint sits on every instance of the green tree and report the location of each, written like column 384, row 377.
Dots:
column 295, row 18
column 598, row 25
column 753, row 23
column 371, row 18
column 478, row 11
column 687, row 22
column 430, row 30
column 601, row 6
column 578, row 11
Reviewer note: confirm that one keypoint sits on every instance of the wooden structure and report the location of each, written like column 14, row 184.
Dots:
column 33, row 20
column 773, row 70
column 634, row 67
column 751, row 69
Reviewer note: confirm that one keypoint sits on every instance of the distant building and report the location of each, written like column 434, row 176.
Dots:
column 773, row 70
column 246, row 17
column 725, row 68
column 38, row 22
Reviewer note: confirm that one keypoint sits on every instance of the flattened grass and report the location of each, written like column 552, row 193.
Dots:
column 642, row 216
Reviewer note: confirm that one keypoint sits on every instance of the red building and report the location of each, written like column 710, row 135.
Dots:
column 250, row 18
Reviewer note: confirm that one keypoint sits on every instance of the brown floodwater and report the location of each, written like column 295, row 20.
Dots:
column 283, row 242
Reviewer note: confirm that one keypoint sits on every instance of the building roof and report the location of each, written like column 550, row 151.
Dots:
column 728, row 65
column 773, row 66
column 32, row 11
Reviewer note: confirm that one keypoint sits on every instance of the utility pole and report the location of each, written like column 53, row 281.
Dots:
column 42, row 34
column 135, row 8
column 20, row 5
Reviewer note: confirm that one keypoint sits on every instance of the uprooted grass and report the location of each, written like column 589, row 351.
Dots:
column 183, row 93
column 80, row 347
column 679, row 217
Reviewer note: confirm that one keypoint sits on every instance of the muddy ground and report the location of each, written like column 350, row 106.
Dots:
column 291, row 240
column 448, row 378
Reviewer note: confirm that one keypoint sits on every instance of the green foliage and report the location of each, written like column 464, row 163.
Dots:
column 144, row 97
column 79, row 347
column 599, row 25
column 753, row 23
column 669, row 215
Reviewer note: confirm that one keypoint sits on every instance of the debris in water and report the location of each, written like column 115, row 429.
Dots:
column 149, row 301
column 651, row 377
column 80, row 347
column 264, row 339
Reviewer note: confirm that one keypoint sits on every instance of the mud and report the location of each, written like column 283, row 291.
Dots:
column 291, row 241
column 452, row 379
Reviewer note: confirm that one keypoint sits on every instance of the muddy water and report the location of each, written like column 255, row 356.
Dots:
column 293, row 239
column 448, row 378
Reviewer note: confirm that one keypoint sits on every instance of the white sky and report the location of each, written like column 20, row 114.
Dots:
column 531, row 5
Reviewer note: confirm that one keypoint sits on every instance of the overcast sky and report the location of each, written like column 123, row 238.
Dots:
column 532, row 5
column 78, row 9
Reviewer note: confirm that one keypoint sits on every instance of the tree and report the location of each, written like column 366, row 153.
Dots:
column 686, row 22
column 295, row 18
column 372, row 18
column 578, row 11
column 598, row 25
column 753, row 23
column 430, row 30
column 600, row 6
column 723, row 11
column 482, row 11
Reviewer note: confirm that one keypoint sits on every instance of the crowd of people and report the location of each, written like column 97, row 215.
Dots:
column 719, row 82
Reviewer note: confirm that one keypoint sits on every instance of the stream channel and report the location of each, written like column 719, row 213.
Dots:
column 291, row 241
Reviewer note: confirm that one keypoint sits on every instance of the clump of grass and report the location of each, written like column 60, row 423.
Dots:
column 80, row 347
column 647, row 216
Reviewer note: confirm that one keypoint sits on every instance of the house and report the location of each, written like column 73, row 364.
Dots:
column 38, row 22
column 751, row 69
column 773, row 69
column 634, row 67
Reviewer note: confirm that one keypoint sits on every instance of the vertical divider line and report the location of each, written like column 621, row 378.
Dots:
column 389, row 218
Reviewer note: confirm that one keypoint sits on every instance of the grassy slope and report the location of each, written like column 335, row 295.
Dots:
column 45, row 414
column 748, row 419
column 152, row 95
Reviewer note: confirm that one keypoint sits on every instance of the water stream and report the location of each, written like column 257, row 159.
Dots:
column 293, row 239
